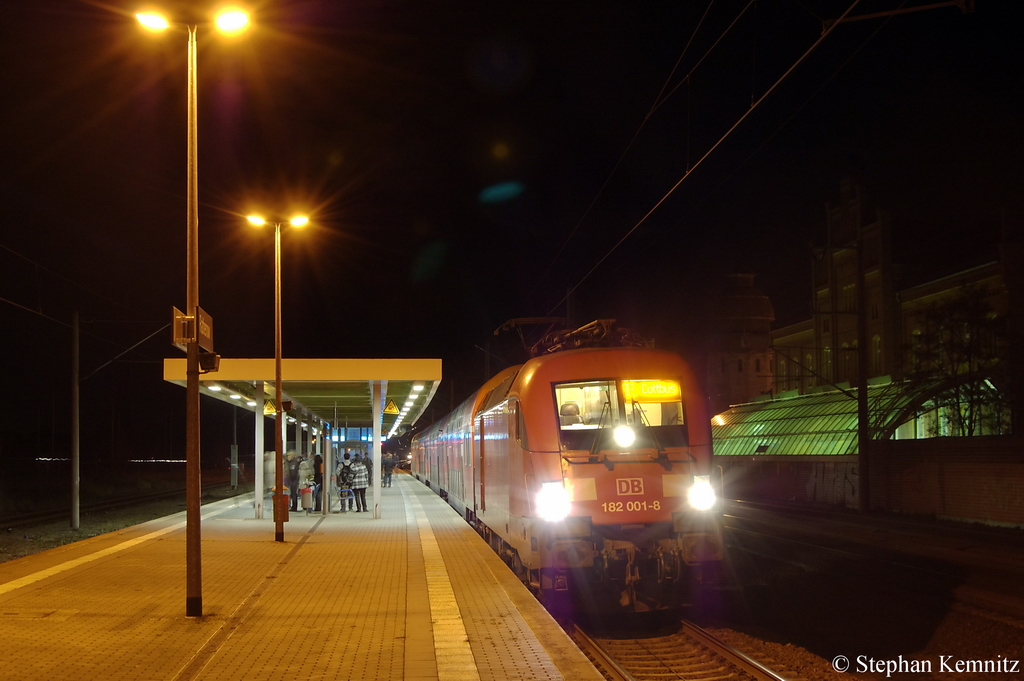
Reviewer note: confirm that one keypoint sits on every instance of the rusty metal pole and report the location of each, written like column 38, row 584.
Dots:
column 193, row 482
column 280, row 508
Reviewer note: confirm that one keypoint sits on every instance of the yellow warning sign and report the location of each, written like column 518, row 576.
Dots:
column 268, row 407
column 391, row 408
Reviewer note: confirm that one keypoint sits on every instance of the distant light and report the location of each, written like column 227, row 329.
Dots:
column 417, row 388
column 504, row 191
column 256, row 220
column 299, row 221
column 410, row 403
column 152, row 21
column 236, row 397
column 157, row 461
column 215, row 388
column 51, row 458
column 251, row 403
column 232, row 21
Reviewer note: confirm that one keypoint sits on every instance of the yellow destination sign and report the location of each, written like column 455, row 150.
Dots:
column 650, row 391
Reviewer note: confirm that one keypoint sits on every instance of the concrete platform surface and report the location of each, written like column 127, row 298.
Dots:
column 415, row 594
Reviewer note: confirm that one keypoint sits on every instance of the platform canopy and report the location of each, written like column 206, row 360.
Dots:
column 335, row 391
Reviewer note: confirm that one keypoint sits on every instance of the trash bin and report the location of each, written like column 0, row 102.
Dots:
column 306, row 497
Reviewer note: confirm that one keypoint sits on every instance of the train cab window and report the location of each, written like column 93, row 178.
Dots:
column 593, row 408
column 587, row 406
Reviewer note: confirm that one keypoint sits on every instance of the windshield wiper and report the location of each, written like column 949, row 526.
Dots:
column 643, row 421
column 594, row 448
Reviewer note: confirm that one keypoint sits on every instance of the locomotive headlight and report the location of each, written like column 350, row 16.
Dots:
column 553, row 502
column 702, row 494
column 624, row 436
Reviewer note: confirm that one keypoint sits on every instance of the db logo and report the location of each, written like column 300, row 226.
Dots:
column 629, row 486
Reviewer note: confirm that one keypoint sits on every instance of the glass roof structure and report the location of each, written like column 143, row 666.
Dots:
column 819, row 424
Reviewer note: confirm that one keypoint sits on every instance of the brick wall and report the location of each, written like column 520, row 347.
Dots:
column 969, row 479
column 972, row 479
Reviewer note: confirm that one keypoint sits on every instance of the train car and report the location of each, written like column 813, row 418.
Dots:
column 589, row 471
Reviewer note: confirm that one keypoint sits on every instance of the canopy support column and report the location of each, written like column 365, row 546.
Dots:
column 258, row 451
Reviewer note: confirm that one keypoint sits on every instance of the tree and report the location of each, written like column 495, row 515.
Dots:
column 959, row 350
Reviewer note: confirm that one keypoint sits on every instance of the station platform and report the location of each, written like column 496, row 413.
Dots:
column 415, row 594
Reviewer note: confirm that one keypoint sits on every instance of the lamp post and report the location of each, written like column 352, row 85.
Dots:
column 229, row 21
column 279, row 500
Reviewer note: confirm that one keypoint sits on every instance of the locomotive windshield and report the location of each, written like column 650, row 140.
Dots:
column 653, row 408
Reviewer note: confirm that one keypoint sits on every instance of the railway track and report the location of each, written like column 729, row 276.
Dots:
column 691, row 654
column 50, row 515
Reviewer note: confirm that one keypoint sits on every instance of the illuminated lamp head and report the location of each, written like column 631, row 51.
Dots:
column 553, row 502
column 701, row 495
column 624, row 436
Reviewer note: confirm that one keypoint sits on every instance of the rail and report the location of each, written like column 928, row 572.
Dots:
column 639, row 659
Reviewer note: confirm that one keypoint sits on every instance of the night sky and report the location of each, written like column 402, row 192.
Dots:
column 464, row 164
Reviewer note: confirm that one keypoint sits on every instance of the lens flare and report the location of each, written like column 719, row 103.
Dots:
column 152, row 21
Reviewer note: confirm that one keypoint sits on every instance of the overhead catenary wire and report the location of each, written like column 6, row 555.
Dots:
column 658, row 101
column 711, row 150
column 804, row 103
column 68, row 325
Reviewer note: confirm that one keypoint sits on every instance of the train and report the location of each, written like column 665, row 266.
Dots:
column 588, row 469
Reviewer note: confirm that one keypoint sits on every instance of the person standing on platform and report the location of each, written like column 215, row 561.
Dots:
column 318, row 482
column 360, row 480
column 368, row 462
column 291, row 476
column 305, row 472
column 344, row 475
column 387, row 466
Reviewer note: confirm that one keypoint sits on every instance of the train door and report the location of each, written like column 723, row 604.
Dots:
column 442, row 474
column 481, row 469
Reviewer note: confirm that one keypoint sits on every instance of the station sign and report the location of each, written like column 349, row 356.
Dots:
column 205, row 330
column 184, row 330
column 180, row 332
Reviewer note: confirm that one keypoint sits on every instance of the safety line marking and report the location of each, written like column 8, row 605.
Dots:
column 103, row 553
column 454, row 656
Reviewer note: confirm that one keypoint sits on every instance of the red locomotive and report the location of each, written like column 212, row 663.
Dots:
column 588, row 470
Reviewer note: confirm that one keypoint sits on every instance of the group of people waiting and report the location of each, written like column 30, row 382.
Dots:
column 304, row 473
column 352, row 475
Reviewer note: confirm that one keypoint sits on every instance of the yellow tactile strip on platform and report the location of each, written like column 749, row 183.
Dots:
column 451, row 646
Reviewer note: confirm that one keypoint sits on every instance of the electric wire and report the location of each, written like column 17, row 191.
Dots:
column 658, row 101
column 803, row 104
column 711, row 150
column 67, row 325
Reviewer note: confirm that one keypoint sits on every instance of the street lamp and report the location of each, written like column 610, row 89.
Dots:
column 298, row 221
column 229, row 21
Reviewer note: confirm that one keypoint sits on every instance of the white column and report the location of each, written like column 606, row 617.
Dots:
column 376, row 396
column 259, row 447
